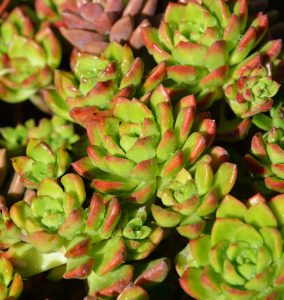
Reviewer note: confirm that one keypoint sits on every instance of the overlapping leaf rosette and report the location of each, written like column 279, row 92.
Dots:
column 55, row 214
column 209, row 46
column 191, row 197
column 242, row 257
column 11, row 284
column 265, row 161
column 113, row 234
column 95, row 80
column 252, row 88
column 137, row 142
column 56, row 132
column 27, row 57
column 41, row 162
column 90, row 25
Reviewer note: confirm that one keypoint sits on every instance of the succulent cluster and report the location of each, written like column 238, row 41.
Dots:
column 124, row 170
column 210, row 51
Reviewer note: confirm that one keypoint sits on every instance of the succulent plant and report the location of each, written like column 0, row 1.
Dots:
column 242, row 257
column 27, row 57
column 140, row 235
column 112, row 234
column 203, row 44
column 194, row 194
column 95, row 246
column 102, row 257
column 41, row 162
column 96, row 80
column 28, row 261
column 251, row 91
column 149, row 176
column 266, row 159
column 128, row 282
column 91, row 25
column 56, row 132
column 253, row 5
column 11, row 284
column 9, row 232
column 54, row 215
column 15, row 138
column 138, row 143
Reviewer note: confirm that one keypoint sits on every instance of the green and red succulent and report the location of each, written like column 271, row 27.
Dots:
column 148, row 176
column 56, row 132
column 9, row 232
column 94, row 81
column 192, row 196
column 266, row 159
column 27, row 56
column 113, row 233
column 135, row 143
column 11, row 284
column 205, row 44
column 54, row 215
column 242, row 257
column 128, row 282
column 41, row 162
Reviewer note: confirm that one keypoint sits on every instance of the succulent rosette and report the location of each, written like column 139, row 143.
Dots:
column 27, row 57
column 95, row 80
column 242, row 257
column 112, row 235
column 91, row 25
column 128, row 282
column 141, row 236
column 136, row 143
column 251, row 91
column 54, row 215
column 11, row 284
column 15, row 138
column 204, row 42
column 193, row 195
column 41, row 162
column 56, row 132
column 266, row 159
